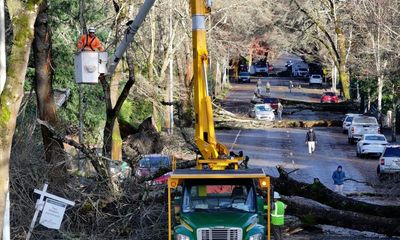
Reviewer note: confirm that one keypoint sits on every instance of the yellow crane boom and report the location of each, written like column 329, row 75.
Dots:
column 214, row 155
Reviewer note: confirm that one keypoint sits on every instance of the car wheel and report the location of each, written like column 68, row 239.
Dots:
column 349, row 140
column 358, row 154
column 343, row 131
column 352, row 141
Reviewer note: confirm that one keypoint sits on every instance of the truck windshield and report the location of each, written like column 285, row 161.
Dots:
column 219, row 196
column 392, row 152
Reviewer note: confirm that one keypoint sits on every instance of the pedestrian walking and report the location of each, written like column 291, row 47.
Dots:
column 338, row 177
column 280, row 110
column 311, row 140
column 277, row 216
column 290, row 86
column 268, row 88
column 259, row 86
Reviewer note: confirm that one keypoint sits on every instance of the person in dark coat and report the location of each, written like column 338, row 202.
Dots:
column 338, row 177
column 311, row 140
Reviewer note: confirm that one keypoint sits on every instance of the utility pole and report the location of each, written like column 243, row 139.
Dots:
column 2, row 47
column 82, row 24
column 171, row 73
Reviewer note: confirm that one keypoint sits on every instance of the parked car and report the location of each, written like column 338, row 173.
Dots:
column 329, row 97
column 262, row 112
column 362, row 125
column 315, row 79
column 371, row 144
column 244, row 77
column 270, row 68
column 347, row 121
column 150, row 164
column 273, row 102
column 389, row 162
column 300, row 69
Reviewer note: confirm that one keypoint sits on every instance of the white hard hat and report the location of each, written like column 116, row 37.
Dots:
column 276, row 195
column 92, row 30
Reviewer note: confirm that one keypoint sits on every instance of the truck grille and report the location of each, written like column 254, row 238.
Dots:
column 219, row 234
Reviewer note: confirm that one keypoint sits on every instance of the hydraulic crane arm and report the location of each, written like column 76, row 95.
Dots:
column 129, row 35
column 214, row 154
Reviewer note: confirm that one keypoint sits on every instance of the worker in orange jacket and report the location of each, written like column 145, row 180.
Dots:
column 89, row 41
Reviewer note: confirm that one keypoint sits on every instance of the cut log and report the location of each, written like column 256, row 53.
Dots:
column 311, row 212
column 318, row 192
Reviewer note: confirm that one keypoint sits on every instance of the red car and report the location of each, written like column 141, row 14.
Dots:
column 273, row 102
column 329, row 97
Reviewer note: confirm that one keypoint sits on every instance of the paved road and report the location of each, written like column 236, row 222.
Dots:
column 269, row 148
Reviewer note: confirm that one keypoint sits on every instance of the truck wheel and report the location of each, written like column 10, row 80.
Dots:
column 381, row 175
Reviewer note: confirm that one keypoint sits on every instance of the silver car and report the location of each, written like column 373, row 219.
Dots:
column 371, row 144
column 347, row 121
column 262, row 112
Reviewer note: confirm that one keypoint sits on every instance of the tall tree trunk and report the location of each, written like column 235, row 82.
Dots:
column 24, row 16
column 380, row 88
column 150, row 64
column 44, row 93
column 343, row 71
column 116, row 140
column 395, row 103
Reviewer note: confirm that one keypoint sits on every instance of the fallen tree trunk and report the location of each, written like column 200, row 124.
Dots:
column 311, row 212
column 318, row 192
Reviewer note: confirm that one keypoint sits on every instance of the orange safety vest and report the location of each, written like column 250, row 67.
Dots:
column 87, row 43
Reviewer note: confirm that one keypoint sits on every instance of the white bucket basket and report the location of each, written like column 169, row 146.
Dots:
column 89, row 65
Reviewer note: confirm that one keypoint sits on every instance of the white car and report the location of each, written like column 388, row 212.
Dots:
column 315, row 80
column 262, row 112
column 362, row 125
column 347, row 121
column 389, row 162
column 371, row 144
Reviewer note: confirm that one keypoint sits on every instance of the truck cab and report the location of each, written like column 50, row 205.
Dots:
column 216, row 205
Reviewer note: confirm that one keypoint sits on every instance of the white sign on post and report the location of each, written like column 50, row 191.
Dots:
column 52, row 210
column 52, row 214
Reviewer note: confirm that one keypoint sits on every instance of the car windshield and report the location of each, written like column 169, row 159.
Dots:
column 316, row 76
column 244, row 74
column 219, row 195
column 303, row 69
column 263, row 108
column 362, row 120
column 375, row 138
column 349, row 119
column 392, row 152
column 154, row 162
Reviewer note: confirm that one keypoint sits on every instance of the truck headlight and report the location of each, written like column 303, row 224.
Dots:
column 183, row 237
column 257, row 236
